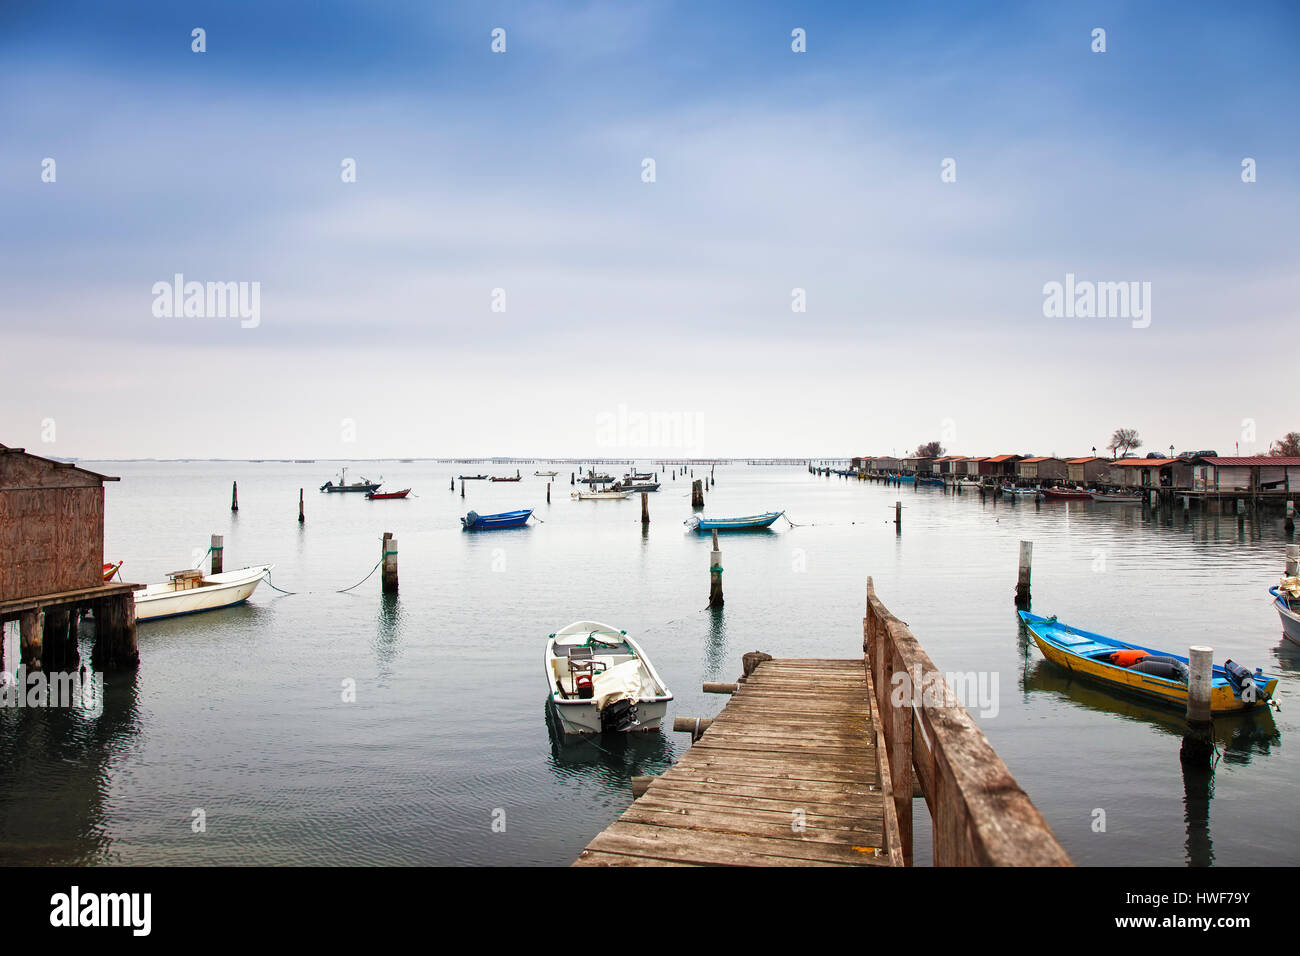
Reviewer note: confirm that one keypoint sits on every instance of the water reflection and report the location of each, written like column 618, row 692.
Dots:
column 52, row 808
column 387, row 643
column 715, row 643
column 606, row 761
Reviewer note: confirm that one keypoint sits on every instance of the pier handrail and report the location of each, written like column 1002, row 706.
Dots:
column 980, row 815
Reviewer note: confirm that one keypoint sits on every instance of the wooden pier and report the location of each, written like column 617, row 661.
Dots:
column 816, row 762
column 786, row 775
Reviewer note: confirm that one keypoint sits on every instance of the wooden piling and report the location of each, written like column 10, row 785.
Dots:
column 115, row 633
column 706, row 482
column 695, row 726
column 898, row 516
column 697, row 494
column 1023, row 576
column 453, row 484
column 548, row 492
column 715, row 574
column 718, row 687
column 234, row 496
column 59, row 649
column 645, row 508
column 216, row 550
column 388, row 573
column 31, row 635
column 1292, row 560
column 301, row 515
column 1198, row 742
column 462, row 487
column 1288, row 524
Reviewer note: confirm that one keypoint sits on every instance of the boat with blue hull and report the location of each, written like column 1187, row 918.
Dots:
column 506, row 519
column 930, row 481
column 746, row 523
column 1152, row 674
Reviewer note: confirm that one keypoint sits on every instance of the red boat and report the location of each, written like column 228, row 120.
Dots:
column 1066, row 493
column 110, row 570
column 376, row 495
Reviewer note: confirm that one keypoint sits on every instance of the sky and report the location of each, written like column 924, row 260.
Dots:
column 500, row 278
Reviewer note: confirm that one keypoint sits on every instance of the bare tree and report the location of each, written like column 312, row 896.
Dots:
column 1124, row 441
column 1288, row 446
column 931, row 449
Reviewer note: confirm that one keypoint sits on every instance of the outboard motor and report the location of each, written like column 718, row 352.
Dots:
column 471, row 519
column 1242, row 681
column 618, row 716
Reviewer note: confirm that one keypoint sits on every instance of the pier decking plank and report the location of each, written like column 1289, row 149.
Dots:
column 787, row 774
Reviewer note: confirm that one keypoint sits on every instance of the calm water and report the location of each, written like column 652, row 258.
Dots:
column 240, row 712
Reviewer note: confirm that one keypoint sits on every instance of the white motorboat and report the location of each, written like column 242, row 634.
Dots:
column 599, row 495
column 191, row 591
column 1286, row 598
column 602, row 682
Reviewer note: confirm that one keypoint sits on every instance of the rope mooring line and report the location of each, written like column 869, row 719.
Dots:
column 340, row 590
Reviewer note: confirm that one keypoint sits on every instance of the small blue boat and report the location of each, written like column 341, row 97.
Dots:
column 506, row 519
column 931, row 481
column 905, row 479
column 747, row 523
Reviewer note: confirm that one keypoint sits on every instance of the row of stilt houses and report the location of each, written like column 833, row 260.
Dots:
column 52, row 567
column 1251, row 478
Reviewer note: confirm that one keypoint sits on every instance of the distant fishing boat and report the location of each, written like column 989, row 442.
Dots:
column 905, row 479
column 1154, row 674
column 546, row 474
column 599, row 495
column 930, row 481
column 637, row 476
column 383, row 495
column 1067, row 493
column 471, row 477
column 191, row 591
column 110, row 570
column 1286, row 599
column 506, row 479
column 1019, row 492
column 1111, row 496
column 506, row 519
column 747, row 523
column 596, row 480
column 601, row 681
column 635, row 486
column 363, row 486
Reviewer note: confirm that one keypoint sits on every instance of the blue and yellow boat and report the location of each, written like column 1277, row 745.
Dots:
column 1156, row 675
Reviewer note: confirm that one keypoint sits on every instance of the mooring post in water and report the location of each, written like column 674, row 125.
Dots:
column 706, row 482
column 301, row 515
column 1022, row 578
column 388, row 574
column 715, row 574
column 453, row 484
column 548, row 492
column 462, row 487
column 645, row 508
column 1289, row 524
column 1292, row 560
column 234, row 496
column 898, row 516
column 572, row 478
column 1198, row 741
column 697, row 494
column 216, row 550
